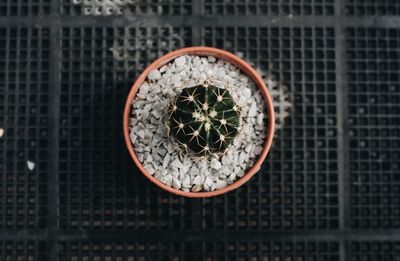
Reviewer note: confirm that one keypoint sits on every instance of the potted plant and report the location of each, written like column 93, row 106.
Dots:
column 198, row 122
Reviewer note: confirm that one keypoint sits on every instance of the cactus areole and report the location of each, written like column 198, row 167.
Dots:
column 204, row 119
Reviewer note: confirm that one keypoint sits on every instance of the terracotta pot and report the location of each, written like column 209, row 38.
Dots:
column 245, row 68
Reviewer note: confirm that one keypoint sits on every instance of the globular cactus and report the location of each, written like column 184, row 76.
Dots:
column 204, row 119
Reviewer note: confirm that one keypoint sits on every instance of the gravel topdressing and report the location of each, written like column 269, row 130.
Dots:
column 159, row 154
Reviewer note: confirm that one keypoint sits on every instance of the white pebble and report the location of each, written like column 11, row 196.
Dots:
column 204, row 60
column 232, row 176
column 167, row 179
column 220, row 72
column 234, row 74
column 180, row 61
column 176, row 183
column 148, row 159
column 198, row 180
column 30, row 164
column 141, row 134
column 246, row 93
column 175, row 172
column 260, row 119
column 157, row 175
column 242, row 157
column 133, row 137
column 194, row 171
column 211, row 59
column 253, row 110
column 225, row 171
column 249, row 148
column 175, row 79
column 156, row 113
column 149, row 168
column 215, row 164
column 226, row 159
column 258, row 149
column 219, row 184
column 186, row 181
column 161, row 151
column 162, row 69
column 197, row 188
column 140, row 156
column 235, row 157
column 181, row 174
column 208, row 181
column 1, row 132
column 177, row 164
column 244, row 79
column 154, row 75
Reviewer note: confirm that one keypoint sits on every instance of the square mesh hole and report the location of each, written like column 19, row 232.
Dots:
column 275, row 250
column 24, row 87
column 24, row 7
column 372, row 7
column 99, row 185
column 373, row 67
column 269, row 7
column 124, row 250
column 297, row 188
column 23, row 250
column 375, row 251
column 127, row 7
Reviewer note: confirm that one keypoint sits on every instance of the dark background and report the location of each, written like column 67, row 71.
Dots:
column 329, row 189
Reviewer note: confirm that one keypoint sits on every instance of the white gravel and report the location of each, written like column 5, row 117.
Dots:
column 30, row 164
column 159, row 154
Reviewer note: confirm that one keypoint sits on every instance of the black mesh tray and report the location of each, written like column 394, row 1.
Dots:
column 329, row 189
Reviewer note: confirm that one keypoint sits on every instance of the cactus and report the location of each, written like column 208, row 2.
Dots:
column 204, row 119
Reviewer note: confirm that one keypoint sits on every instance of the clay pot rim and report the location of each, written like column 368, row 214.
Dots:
column 245, row 68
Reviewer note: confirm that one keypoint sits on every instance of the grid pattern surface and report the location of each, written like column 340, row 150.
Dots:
column 24, row 7
column 210, row 250
column 375, row 250
column 328, row 191
column 270, row 250
column 23, row 250
column 99, row 188
column 374, row 108
column 304, row 60
column 24, row 85
column 124, row 250
column 269, row 7
column 372, row 7
column 126, row 7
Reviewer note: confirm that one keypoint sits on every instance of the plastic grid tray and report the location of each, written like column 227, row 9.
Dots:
column 124, row 250
column 303, row 59
column 98, row 186
column 374, row 108
column 24, row 84
column 372, row 7
column 126, row 7
column 375, row 251
column 63, row 80
column 32, row 250
column 209, row 250
column 24, row 8
column 269, row 7
column 270, row 250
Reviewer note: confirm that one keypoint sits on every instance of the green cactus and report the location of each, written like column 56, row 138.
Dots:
column 204, row 119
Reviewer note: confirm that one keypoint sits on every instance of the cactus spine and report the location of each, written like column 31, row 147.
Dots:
column 204, row 119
